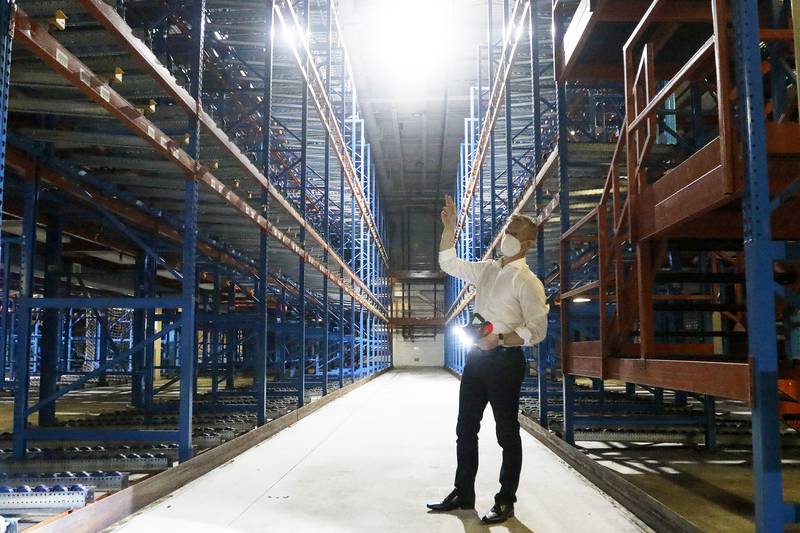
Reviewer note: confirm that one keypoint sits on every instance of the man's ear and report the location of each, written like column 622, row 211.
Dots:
column 527, row 245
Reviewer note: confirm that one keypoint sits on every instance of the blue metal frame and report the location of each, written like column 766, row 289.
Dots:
column 22, row 350
column 202, row 333
column 301, row 377
column 260, row 375
column 188, row 346
column 6, row 40
column 522, row 162
column 760, row 253
column 552, row 127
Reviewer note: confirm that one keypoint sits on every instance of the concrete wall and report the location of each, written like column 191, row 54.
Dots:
column 421, row 352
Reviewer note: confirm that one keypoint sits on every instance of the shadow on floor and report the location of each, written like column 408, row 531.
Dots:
column 471, row 521
column 692, row 470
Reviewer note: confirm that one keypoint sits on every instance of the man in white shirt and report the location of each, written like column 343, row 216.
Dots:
column 512, row 298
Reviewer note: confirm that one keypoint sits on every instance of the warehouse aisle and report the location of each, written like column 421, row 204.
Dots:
column 369, row 462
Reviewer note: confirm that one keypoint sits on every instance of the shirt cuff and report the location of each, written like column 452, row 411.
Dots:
column 525, row 334
column 447, row 255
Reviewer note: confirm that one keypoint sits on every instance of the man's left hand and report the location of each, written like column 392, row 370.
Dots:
column 489, row 342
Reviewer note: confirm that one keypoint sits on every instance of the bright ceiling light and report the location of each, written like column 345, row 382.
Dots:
column 411, row 40
column 581, row 300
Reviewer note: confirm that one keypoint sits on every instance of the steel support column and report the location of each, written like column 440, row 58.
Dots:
column 232, row 341
column 216, row 334
column 51, row 320
column 509, row 133
column 139, row 334
column 343, row 126
column 759, row 255
column 6, row 317
column 22, row 350
column 353, row 265
column 188, row 347
column 541, row 349
column 563, row 197
column 301, row 304
column 103, row 343
column 6, row 40
column 326, row 202
column 490, row 82
column 150, row 329
column 262, row 351
column 481, row 192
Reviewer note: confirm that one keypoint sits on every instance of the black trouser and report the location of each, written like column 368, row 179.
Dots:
column 494, row 377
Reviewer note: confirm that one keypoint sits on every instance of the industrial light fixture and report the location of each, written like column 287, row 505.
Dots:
column 581, row 300
column 59, row 20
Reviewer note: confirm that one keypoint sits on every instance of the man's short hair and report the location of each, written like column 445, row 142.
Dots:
column 530, row 225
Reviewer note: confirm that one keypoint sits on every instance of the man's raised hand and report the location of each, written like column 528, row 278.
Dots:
column 449, row 212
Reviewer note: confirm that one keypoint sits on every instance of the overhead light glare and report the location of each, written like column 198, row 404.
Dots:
column 411, row 40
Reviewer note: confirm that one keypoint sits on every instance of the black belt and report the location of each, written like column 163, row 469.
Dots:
column 508, row 349
column 500, row 350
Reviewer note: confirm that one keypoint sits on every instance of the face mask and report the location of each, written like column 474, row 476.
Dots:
column 510, row 245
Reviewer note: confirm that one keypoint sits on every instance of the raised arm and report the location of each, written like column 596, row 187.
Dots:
column 448, row 224
column 464, row 270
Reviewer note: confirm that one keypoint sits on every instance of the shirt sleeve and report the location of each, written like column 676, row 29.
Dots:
column 468, row 271
column 534, row 306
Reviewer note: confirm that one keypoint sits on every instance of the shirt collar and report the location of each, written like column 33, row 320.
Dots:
column 517, row 263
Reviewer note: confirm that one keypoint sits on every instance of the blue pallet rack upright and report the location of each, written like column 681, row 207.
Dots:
column 761, row 252
column 6, row 41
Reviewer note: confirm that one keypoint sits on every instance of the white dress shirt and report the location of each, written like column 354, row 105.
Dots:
column 511, row 298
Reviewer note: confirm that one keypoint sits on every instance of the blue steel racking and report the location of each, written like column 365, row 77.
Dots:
column 6, row 41
column 575, row 127
column 255, row 185
column 515, row 111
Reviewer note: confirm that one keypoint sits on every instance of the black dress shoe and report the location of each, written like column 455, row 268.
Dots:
column 453, row 501
column 499, row 513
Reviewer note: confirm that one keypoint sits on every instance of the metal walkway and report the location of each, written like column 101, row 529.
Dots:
column 369, row 462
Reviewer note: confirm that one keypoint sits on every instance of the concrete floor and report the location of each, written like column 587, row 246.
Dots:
column 369, row 462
